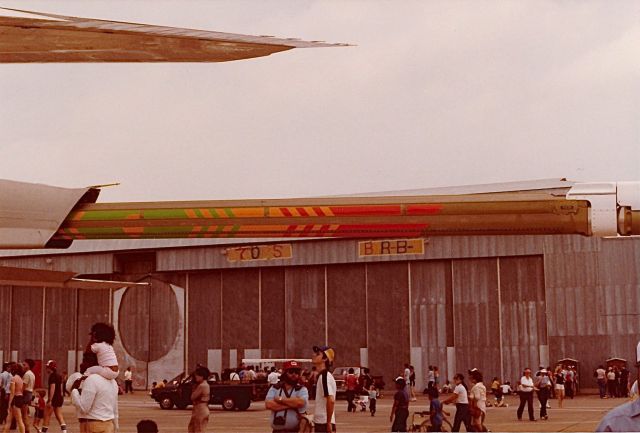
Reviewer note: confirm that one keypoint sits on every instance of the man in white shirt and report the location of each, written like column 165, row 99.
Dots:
column 273, row 377
column 128, row 381
column 525, row 389
column 98, row 404
column 324, row 417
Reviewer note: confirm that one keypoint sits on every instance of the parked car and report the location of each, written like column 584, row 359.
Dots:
column 232, row 396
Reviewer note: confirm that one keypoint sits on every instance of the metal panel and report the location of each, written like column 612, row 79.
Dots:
column 205, row 314
column 93, row 306
column 304, row 310
column 240, row 305
column 523, row 322
column 26, row 323
column 272, row 312
column 346, row 311
column 388, row 318
column 475, row 310
column 60, row 324
column 430, row 283
column 5, row 319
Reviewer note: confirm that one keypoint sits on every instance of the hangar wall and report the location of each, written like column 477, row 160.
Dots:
column 496, row 305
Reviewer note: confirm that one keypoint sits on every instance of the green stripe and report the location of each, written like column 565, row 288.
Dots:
column 229, row 212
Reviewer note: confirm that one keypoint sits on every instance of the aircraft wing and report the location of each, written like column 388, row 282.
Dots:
column 12, row 276
column 38, row 37
column 38, row 220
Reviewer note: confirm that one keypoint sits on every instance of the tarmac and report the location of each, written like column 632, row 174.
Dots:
column 583, row 413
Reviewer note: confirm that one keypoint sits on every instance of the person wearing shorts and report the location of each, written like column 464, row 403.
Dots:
column 559, row 386
column 15, row 399
column 54, row 398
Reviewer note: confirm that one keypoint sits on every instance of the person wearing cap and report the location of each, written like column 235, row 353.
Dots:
column 625, row 417
column 460, row 397
column 400, row 408
column 287, row 399
column 543, row 384
column 54, row 398
column 324, row 417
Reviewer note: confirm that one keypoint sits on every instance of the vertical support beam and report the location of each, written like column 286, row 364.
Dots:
column 260, row 311
column 366, row 307
column 410, row 300
column 221, row 312
column 451, row 329
column 11, row 319
column 326, row 308
column 186, row 321
column 76, row 300
column 501, row 346
column 44, row 319
column 285, row 334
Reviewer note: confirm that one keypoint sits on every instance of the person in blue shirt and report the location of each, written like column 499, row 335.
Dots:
column 287, row 399
column 436, row 417
column 400, row 409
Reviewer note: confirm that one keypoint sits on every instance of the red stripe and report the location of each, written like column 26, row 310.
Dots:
column 285, row 211
column 302, row 211
column 318, row 211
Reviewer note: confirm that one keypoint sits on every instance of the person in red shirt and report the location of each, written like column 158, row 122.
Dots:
column 351, row 383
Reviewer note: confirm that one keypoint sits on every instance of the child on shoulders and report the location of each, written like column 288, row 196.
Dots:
column 101, row 343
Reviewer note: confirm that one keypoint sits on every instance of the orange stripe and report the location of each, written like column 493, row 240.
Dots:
column 190, row 213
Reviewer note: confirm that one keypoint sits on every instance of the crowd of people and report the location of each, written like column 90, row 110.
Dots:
column 94, row 393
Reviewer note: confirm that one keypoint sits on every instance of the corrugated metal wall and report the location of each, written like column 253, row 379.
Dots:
column 347, row 311
column 476, row 314
column 431, row 314
column 305, row 320
column 496, row 303
column 204, row 330
column 272, row 302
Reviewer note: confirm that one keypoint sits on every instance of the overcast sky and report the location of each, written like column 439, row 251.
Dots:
column 434, row 94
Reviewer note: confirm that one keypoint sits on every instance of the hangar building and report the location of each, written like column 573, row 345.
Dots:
column 498, row 303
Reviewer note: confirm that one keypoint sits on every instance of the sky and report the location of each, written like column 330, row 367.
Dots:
column 433, row 93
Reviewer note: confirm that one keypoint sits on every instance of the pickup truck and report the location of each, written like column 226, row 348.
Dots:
column 232, row 396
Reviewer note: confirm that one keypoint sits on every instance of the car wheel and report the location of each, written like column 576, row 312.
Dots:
column 244, row 404
column 166, row 403
column 228, row 403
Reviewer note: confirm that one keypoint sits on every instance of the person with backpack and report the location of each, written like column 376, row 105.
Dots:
column 324, row 418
